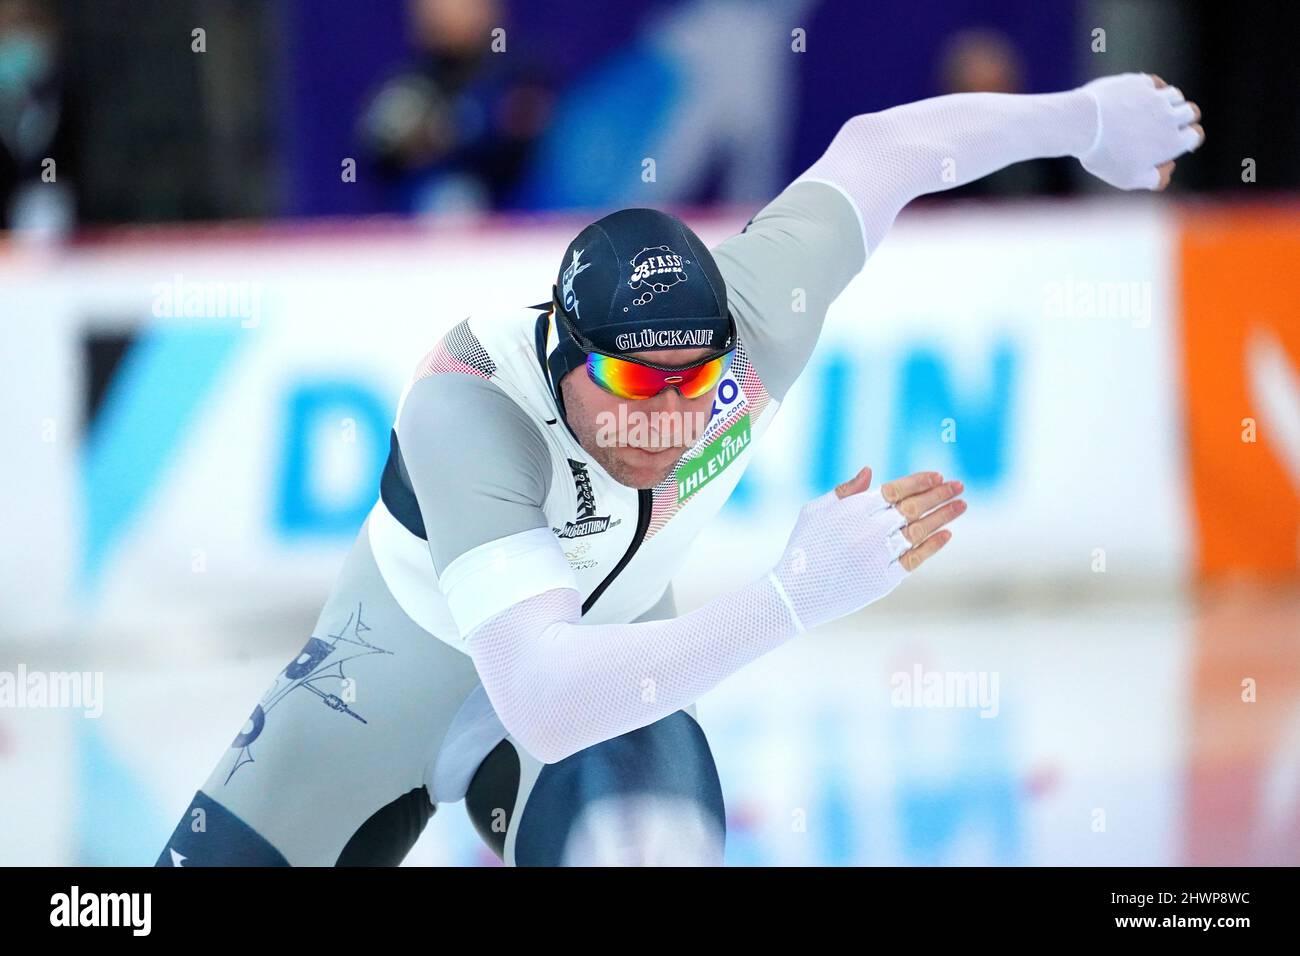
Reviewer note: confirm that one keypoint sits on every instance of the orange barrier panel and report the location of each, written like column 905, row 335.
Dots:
column 1241, row 330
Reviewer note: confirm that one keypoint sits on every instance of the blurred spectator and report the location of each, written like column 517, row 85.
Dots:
column 34, row 164
column 453, row 128
column 985, row 61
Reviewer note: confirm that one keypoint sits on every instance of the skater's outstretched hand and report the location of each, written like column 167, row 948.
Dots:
column 1143, row 125
column 853, row 545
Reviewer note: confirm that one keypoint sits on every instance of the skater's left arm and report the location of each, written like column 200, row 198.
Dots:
column 800, row 251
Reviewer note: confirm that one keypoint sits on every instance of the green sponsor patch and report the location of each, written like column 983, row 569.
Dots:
column 717, row 455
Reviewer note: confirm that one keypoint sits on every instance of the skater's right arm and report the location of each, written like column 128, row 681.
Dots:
column 560, row 686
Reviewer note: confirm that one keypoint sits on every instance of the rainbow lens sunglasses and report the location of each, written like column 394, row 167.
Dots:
column 637, row 380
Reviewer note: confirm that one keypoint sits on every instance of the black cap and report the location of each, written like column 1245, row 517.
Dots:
column 640, row 279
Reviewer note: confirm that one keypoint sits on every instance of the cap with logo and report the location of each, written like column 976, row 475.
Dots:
column 636, row 280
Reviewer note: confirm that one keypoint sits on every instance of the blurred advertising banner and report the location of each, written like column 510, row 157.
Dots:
column 1241, row 317
column 201, row 419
